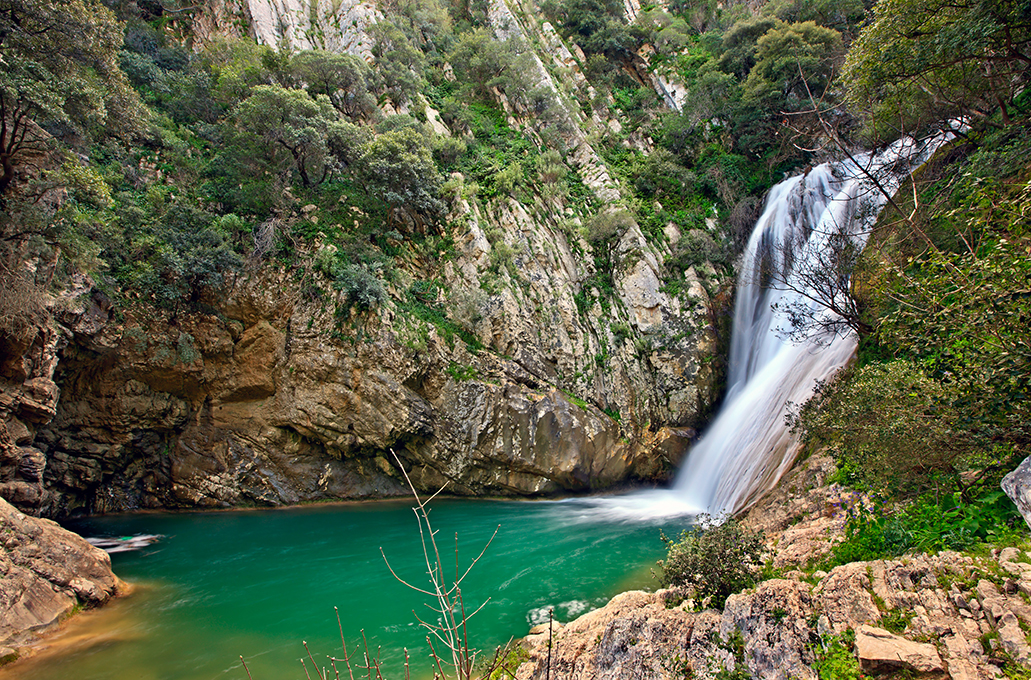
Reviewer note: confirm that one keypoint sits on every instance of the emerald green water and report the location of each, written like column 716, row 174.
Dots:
column 257, row 583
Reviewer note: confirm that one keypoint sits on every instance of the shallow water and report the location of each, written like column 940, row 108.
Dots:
column 258, row 583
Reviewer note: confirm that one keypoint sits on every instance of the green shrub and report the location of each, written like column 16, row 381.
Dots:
column 607, row 225
column 715, row 559
column 931, row 522
column 835, row 660
column 892, row 427
column 360, row 288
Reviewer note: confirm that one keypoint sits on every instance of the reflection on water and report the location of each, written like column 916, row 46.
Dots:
column 257, row 583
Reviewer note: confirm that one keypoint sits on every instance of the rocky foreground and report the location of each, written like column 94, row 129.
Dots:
column 955, row 616
column 46, row 573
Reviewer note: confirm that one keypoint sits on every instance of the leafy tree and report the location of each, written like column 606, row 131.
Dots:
column 844, row 16
column 398, row 63
column 236, row 66
column 700, row 14
column 482, row 63
column 428, row 24
column 658, row 175
column 596, row 25
column 60, row 68
column 740, row 43
column 398, row 169
column 343, row 78
column 793, row 60
column 294, row 130
column 921, row 62
column 174, row 255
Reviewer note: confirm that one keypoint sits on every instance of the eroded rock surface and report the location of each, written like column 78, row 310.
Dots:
column 45, row 572
column 280, row 399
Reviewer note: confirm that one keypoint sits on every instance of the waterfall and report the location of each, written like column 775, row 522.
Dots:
column 748, row 447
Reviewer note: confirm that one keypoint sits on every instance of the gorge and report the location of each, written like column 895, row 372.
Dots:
column 250, row 248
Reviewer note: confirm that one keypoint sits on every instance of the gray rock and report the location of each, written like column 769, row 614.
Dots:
column 1017, row 485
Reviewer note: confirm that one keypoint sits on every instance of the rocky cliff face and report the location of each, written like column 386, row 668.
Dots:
column 277, row 394
column 273, row 399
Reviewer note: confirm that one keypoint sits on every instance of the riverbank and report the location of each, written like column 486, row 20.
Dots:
column 952, row 615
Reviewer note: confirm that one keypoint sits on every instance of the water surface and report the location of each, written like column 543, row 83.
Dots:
column 258, row 583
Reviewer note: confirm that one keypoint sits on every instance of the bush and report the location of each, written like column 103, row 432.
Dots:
column 865, row 414
column 607, row 225
column 835, row 660
column 360, row 288
column 930, row 523
column 716, row 560
column 697, row 247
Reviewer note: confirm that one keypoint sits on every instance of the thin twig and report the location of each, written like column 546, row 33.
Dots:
column 313, row 664
column 343, row 644
column 245, row 668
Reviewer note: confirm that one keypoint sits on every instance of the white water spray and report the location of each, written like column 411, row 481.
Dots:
column 748, row 447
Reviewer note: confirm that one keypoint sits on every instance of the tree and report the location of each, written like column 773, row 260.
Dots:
column 740, row 44
column 399, row 170
column 793, row 60
column 341, row 77
column 294, row 130
column 236, row 66
column 920, row 63
column 59, row 68
column 482, row 63
column 398, row 64
column 820, row 277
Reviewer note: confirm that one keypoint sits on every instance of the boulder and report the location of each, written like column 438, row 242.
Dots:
column 881, row 652
column 46, row 572
column 1017, row 486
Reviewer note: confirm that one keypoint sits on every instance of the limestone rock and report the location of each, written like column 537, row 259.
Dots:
column 46, row 572
column 845, row 597
column 634, row 636
column 1017, row 485
column 879, row 651
column 773, row 623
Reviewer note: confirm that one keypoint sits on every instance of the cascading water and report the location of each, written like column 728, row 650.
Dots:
column 748, row 446
column 788, row 265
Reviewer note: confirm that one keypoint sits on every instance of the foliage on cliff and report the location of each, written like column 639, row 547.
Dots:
column 162, row 166
column 211, row 152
